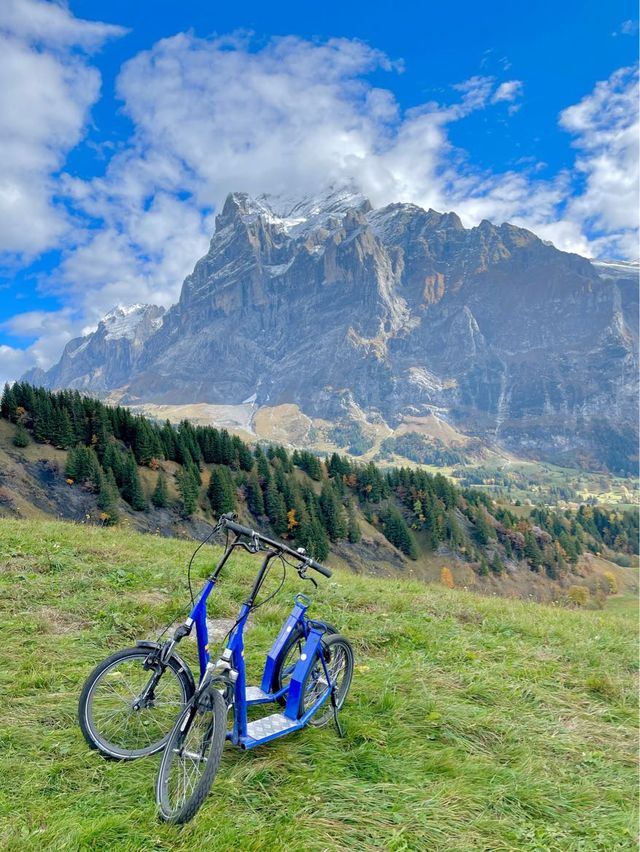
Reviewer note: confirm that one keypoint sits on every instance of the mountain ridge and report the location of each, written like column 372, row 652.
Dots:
column 328, row 303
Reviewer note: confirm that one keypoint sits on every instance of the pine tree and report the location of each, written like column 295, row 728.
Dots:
column 99, row 434
column 78, row 422
column 430, row 520
column 112, row 460
column 8, row 403
column 61, row 434
column 354, row 533
column 21, row 437
column 483, row 568
column 262, row 463
column 276, row 509
column 108, row 498
column 245, row 457
column 309, row 463
column 221, row 491
column 227, row 450
column 320, row 544
column 143, row 444
column 168, row 441
column 131, row 489
column 332, row 514
column 483, row 528
column 255, row 500
column 454, row 534
column 160, row 496
column 42, row 417
column 497, row 565
column 188, row 489
column 71, row 466
column 311, row 535
column 83, row 466
column 338, row 466
column 371, row 484
column 531, row 550
column 398, row 533
column 283, row 483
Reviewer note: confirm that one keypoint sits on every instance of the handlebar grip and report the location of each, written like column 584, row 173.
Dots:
column 319, row 568
column 228, row 519
column 238, row 528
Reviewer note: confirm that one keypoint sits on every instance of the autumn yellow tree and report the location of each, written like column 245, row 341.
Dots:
column 446, row 578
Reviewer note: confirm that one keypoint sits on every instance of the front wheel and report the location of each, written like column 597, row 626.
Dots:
column 338, row 660
column 191, row 758
column 129, row 703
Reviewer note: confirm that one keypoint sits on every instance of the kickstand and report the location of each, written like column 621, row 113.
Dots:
column 335, row 714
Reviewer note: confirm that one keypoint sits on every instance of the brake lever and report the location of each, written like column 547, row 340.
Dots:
column 303, row 576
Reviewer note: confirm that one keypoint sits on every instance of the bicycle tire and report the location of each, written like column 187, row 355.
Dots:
column 100, row 739
column 311, row 686
column 288, row 658
column 212, row 743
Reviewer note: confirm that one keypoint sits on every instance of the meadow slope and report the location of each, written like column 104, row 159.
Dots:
column 473, row 723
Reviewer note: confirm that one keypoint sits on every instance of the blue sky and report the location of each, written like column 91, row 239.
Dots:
column 123, row 125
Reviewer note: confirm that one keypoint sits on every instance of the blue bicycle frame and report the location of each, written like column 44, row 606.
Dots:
column 250, row 734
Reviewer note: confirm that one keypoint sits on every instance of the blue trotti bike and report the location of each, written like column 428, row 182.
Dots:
column 144, row 699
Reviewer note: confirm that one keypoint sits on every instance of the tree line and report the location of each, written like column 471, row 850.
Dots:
column 311, row 501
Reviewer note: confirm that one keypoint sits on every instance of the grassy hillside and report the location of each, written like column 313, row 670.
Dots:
column 473, row 723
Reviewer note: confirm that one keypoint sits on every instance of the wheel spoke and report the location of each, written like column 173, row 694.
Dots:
column 330, row 675
column 187, row 761
column 111, row 718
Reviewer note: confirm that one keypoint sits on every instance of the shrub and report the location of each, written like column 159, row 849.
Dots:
column 578, row 595
column 612, row 582
column 21, row 437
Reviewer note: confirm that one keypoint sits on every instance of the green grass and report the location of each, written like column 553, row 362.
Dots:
column 472, row 724
column 624, row 604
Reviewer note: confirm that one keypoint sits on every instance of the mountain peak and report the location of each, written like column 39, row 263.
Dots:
column 124, row 320
column 294, row 215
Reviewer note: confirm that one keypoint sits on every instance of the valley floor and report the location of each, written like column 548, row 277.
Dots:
column 473, row 723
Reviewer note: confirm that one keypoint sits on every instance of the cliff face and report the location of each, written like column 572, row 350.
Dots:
column 328, row 303
column 105, row 359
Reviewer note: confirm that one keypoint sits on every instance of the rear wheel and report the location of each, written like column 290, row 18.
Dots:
column 191, row 758
column 338, row 659
column 129, row 704
column 289, row 658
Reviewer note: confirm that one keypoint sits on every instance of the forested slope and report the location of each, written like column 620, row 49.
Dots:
column 129, row 466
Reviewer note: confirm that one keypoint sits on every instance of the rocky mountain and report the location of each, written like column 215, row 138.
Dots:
column 106, row 358
column 341, row 309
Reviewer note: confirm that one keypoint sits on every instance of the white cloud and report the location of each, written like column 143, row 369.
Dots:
column 606, row 129
column 216, row 115
column 52, row 330
column 629, row 28
column 46, row 89
column 213, row 116
column 51, row 24
column 507, row 91
column 14, row 362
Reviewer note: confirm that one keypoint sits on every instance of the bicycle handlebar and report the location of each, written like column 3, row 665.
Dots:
column 229, row 522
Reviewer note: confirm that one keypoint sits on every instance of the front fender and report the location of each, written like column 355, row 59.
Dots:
column 184, row 666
